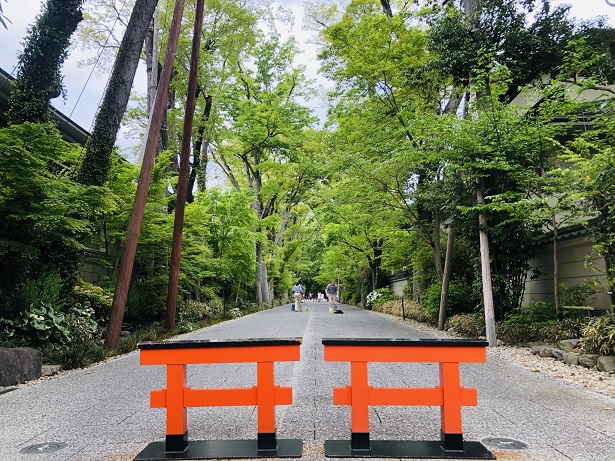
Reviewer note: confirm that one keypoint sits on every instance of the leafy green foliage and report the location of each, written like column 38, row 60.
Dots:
column 537, row 312
column 88, row 294
column 460, row 299
column 527, row 40
column 378, row 297
column 42, row 213
column 468, row 325
column 578, row 295
column 599, row 335
column 41, row 324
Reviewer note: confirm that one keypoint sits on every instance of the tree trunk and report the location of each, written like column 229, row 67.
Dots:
column 446, row 280
column 199, row 153
column 555, row 270
column 469, row 6
column 386, row 8
column 151, row 61
column 260, row 285
column 180, row 204
column 437, row 258
column 38, row 78
column 486, row 271
column 95, row 166
column 416, row 290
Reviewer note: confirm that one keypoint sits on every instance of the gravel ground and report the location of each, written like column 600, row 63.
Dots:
column 597, row 381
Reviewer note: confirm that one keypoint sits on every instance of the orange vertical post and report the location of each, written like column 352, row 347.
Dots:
column 266, row 406
column 450, row 411
column 177, row 417
column 360, row 406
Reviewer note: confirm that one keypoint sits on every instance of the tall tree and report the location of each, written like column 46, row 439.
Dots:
column 263, row 142
column 95, row 166
column 46, row 47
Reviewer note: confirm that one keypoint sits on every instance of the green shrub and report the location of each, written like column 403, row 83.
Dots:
column 459, row 299
column 94, row 296
column 468, row 325
column 378, row 297
column 537, row 312
column 193, row 311
column 41, row 325
column 146, row 301
column 599, row 335
column 77, row 355
column 81, row 324
column 578, row 295
column 411, row 310
column 407, row 292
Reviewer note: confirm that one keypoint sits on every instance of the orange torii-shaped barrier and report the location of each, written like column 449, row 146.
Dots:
column 177, row 396
column 450, row 396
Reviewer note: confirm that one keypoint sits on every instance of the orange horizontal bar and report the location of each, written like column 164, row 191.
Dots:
column 222, row 397
column 416, row 396
column 404, row 354
column 285, row 353
column 158, row 398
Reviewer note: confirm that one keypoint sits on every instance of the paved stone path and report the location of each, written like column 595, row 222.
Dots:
column 102, row 413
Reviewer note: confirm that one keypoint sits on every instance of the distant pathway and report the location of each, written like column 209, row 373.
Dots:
column 102, row 413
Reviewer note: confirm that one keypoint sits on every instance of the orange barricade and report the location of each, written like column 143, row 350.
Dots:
column 177, row 396
column 450, row 396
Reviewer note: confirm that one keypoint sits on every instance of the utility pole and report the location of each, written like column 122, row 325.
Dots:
column 136, row 217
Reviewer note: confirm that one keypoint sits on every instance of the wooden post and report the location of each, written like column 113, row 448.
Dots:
column 486, row 271
column 136, row 217
column 182, row 185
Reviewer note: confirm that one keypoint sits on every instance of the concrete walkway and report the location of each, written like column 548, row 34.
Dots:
column 102, row 413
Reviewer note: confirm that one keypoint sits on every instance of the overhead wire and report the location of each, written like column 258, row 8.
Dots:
column 117, row 18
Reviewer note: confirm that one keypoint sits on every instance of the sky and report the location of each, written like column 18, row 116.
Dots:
column 85, row 88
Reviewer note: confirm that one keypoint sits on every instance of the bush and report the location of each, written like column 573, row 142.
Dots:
column 94, row 296
column 468, row 325
column 407, row 292
column 41, row 326
column 378, row 297
column 599, row 335
column 578, row 295
column 193, row 311
column 459, row 299
column 146, row 301
column 81, row 324
column 78, row 355
column 537, row 312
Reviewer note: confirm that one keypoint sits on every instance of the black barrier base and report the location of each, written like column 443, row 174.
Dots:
column 405, row 449
column 212, row 449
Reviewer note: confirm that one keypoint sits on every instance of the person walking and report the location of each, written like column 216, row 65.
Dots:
column 332, row 291
column 298, row 296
